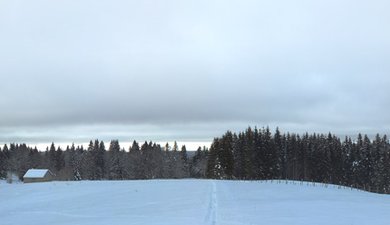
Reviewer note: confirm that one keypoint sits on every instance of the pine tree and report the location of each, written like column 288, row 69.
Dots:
column 277, row 139
column 59, row 160
column 258, row 155
column 78, row 162
column 347, row 162
column 271, row 157
column 249, row 155
column 239, row 156
column 184, row 164
column 167, row 147
column 175, row 147
column 225, row 155
column 385, row 167
column 213, row 163
column 198, row 164
column 116, row 170
column 3, row 160
column 52, row 156
column 366, row 162
column 135, row 162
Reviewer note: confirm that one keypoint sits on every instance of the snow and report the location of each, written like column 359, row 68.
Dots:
column 197, row 202
column 35, row 173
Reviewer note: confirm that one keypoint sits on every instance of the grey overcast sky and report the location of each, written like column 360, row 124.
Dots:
column 73, row 70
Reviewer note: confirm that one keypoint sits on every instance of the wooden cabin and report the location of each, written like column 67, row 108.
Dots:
column 38, row 175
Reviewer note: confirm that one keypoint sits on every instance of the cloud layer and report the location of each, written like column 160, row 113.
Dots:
column 189, row 70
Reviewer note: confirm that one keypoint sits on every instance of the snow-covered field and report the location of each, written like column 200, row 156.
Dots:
column 188, row 202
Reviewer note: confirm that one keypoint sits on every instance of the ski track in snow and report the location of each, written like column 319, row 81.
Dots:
column 211, row 216
column 214, row 204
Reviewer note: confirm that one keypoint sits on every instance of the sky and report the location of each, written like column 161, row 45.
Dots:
column 75, row 70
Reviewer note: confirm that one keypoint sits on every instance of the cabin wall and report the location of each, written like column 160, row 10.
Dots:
column 46, row 178
column 34, row 180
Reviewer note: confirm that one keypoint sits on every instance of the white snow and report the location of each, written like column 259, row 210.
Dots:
column 35, row 173
column 186, row 202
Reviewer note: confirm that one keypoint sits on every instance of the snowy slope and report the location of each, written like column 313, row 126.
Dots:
column 188, row 202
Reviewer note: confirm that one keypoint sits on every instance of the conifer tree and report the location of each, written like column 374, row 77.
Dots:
column 135, row 162
column 115, row 166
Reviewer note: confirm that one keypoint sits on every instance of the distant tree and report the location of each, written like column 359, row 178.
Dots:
column 212, row 163
column 52, row 156
column 225, row 155
column 152, row 160
column 239, row 156
column 198, row 164
column 183, row 153
column 135, row 162
column 3, row 166
column 59, row 159
column 280, row 163
column 182, row 167
column 175, row 147
column 116, row 166
column 99, row 152
column 270, row 161
column 88, row 165
column 167, row 147
column 78, row 161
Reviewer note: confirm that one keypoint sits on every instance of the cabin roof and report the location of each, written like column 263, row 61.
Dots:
column 36, row 173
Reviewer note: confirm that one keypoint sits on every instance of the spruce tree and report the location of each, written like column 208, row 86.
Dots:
column 115, row 167
column 135, row 162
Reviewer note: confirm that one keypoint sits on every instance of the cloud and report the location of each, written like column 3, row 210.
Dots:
column 191, row 69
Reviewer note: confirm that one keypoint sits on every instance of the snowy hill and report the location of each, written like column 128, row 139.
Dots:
column 188, row 202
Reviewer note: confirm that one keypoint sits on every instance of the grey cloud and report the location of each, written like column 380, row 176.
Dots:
column 178, row 66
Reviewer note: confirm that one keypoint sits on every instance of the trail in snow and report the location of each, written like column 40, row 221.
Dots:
column 211, row 216
column 214, row 203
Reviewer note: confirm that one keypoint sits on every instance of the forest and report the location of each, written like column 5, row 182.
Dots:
column 96, row 162
column 257, row 154
column 254, row 154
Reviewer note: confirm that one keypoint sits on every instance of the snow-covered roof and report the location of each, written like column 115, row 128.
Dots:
column 35, row 173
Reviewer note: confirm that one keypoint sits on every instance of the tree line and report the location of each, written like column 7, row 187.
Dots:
column 96, row 162
column 257, row 154
column 254, row 154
